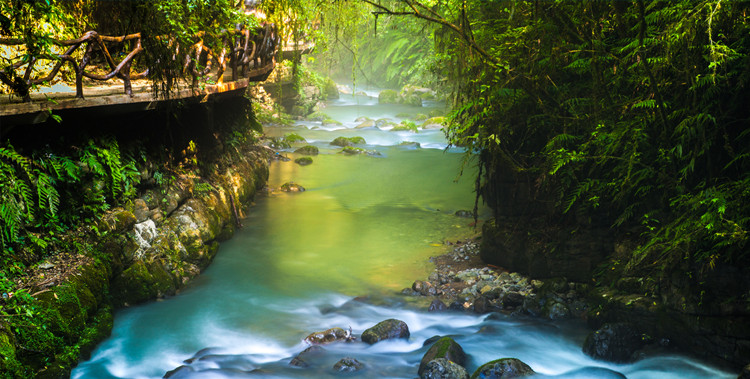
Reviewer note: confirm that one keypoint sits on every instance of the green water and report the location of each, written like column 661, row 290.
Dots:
column 366, row 225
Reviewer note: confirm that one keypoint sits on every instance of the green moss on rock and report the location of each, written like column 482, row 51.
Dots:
column 308, row 150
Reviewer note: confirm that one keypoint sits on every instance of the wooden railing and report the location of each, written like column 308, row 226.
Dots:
column 248, row 52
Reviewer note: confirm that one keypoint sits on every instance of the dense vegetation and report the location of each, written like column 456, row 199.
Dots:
column 626, row 114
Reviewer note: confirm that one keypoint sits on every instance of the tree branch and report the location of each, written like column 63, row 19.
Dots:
column 438, row 20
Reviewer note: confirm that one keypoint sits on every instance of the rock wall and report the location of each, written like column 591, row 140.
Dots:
column 148, row 249
column 165, row 239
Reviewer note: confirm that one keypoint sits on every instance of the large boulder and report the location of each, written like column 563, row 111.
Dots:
column 444, row 348
column 388, row 329
column 615, row 342
column 503, row 369
column 442, row 368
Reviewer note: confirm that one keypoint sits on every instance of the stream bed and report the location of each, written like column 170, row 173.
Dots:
column 337, row 255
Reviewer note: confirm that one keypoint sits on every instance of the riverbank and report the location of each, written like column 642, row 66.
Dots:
column 625, row 327
column 151, row 242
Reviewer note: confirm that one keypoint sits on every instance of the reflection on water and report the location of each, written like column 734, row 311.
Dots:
column 365, row 226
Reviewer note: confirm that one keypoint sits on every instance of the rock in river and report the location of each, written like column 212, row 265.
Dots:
column 502, row 369
column 384, row 330
column 328, row 336
column 348, row 365
column 615, row 342
column 444, row 348
column 442, row 368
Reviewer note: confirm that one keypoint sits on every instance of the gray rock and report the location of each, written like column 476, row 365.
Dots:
column 615, row 342
column 348, row 365
column 503, row 369
column 140, row 210
column 442, row 368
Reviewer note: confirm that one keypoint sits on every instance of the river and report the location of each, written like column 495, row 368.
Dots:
column 366, row 226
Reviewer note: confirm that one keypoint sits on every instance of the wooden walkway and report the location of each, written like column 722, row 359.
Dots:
column 109, row 97
column 250, row 52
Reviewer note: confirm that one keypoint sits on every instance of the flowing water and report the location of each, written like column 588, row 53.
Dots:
column 365, row 226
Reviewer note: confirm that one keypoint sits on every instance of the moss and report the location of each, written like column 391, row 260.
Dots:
column 293, row 137
column 388, row 96
column 331, row 122
column 348, row 141
column 307, row 150
column 9, row 365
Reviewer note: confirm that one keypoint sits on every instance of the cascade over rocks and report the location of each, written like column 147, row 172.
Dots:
column 328, row 336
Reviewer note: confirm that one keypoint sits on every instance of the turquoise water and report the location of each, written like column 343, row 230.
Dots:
column 366, row 226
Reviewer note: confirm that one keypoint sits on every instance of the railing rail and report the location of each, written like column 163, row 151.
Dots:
column 249, row 49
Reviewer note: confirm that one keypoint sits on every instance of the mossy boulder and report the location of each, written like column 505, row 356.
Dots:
column 365, row 124
column 294, row 137
column 434, row 123
column 502, row 369
column 141, row 282
column 303, row 161
column 331, row 122
column 308, row 150
column 446, row 348
column 350, row 150
column 330, row 90
column 420, row 117
column 388, row 329
column 412, row 99
column 117, row 220
column 388, row 96
column 348, row 141
column 9, row 364
column 318, row 116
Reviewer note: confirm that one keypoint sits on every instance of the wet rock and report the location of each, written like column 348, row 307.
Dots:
column 348, row 141
column 328, row 336
column 557, row 310
column 431, row 340
column 388, row 329
column 482, row 305
column 308, row 150
column 365, row 124
column 140, row 210
column 464, row 213
column 304, row 358
column 292, row 187
column 502, row 369
column 424, row 288
column 348, row 365
column 118, row 220
column 362, row 119
column 388, row 96
column 442, row 368
column 437, row 306
column 303, row 161
column 591, row 373
column 444, row 348
column 331, row 122
column 513, row 299
column 615, row 342
column 179, row 372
